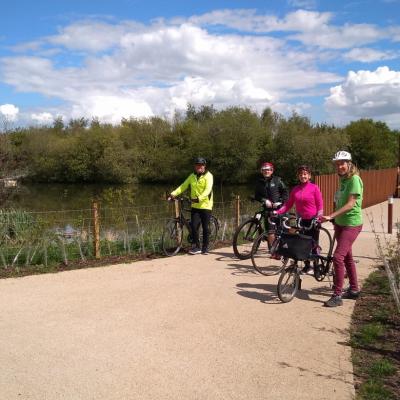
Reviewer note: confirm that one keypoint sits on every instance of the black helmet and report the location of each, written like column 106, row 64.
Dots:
column 304, row 167
column 200, row 160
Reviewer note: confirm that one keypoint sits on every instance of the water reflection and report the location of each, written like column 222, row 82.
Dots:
column 51, row 197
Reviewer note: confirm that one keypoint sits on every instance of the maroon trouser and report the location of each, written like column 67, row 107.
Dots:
column 343, row 257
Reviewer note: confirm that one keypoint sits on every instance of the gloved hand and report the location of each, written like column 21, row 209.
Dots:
column 274, row 213
column 268, row 204
column 171, row 197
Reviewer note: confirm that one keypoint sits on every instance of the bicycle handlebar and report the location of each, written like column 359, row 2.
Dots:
column 283, row 219
column 314, row 223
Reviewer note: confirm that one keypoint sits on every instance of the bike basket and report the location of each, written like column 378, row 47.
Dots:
column 296, row 246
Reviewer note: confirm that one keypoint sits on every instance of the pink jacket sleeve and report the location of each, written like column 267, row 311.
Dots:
column 319, row 202
column 288, row 205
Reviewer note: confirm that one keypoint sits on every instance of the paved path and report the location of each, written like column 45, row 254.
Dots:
column 187, row 327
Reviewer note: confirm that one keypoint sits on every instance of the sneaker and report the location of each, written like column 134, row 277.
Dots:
column 334, row 301
column 307, row 270
column 195, row 250
column 204, row 251
column 351, row 294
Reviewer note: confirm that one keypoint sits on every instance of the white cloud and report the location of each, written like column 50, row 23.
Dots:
column 307, row 4
column 9, row 111
column 250, row 21
column 152, row 71
column 366, row 55
column 367, row 94
column 42, row 118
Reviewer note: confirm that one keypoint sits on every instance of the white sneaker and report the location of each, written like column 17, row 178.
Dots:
column 195, row 250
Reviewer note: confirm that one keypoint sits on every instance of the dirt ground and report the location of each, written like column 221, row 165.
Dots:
column 187, row 327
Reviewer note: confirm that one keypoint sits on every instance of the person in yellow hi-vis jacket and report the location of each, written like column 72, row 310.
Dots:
column 200, row 183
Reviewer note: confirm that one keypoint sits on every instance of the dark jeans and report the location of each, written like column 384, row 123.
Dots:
column 314, row 233
column 200, row 217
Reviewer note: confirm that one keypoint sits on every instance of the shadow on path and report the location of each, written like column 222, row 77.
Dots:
column 267, row 293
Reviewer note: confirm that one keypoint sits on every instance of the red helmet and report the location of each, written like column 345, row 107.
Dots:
column 267, row 165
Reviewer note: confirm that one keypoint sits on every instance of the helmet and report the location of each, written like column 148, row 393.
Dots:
column 200, row 160
column 342, row 155
column 304, row 168
column 266, row 165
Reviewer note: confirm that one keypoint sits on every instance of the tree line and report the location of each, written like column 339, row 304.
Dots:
column 234, row 140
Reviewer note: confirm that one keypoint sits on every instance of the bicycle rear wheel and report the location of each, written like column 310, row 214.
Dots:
column 261, row 257
column 288, row 284
column 172, row 237
column 244, row 236
column 213, row 228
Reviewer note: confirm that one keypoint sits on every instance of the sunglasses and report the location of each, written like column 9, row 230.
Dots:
column 266, row 169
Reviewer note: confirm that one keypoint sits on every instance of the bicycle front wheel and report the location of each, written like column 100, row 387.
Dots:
column 325, row 243
column 261, row 257
column 288, row 284
column 172, row 237
column 244, row 236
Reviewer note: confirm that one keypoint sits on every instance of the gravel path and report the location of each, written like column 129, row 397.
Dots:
column 187, row 327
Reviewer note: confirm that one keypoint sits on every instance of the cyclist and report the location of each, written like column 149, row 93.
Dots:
column 348, row 222
column 272, row 192
column 307, row 199
column 200, row 183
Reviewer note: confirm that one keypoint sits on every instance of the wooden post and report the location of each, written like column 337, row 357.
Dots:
column 237, row 211
column 390, row 214
column 177, row 204
column 398, row 183
column 96, row 229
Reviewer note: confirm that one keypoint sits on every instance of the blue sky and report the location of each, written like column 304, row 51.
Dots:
column 334, row 61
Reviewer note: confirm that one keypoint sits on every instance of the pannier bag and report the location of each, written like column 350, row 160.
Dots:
column 296, row 246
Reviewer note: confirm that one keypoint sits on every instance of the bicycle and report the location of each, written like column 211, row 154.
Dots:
column 302, row 248
column 266, row 259
column 247, row 231
column 173, row 233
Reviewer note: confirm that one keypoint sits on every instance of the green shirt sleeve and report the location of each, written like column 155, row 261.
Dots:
column 355, row 187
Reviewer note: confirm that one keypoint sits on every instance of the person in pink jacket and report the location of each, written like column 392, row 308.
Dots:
column 307, row 199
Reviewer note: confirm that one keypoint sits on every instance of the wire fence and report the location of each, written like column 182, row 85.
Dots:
column 54, row 237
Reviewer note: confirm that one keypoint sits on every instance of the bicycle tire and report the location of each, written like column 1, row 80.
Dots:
column 325, row 242
column 172, row 237
column 323, row 263
column 213, row 228
column 261, row 257
column 244, row 236
column 288, row 284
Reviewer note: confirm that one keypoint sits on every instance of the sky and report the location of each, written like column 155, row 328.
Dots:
column 333, row 61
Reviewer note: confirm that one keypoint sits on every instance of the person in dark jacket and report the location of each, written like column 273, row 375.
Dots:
column 272, row 192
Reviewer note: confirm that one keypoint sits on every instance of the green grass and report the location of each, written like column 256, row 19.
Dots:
column 374, row 390
column 368, row 334
column 382, row 368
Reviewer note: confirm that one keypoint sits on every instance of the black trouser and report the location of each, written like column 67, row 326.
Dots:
column 314, row 232
column 200, row 216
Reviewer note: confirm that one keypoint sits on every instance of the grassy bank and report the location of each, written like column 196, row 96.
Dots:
column 375, row 341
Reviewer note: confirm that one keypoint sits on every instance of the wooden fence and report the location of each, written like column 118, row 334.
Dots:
column 378, row 186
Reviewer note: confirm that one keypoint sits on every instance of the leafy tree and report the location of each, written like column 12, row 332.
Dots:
column 372, row 144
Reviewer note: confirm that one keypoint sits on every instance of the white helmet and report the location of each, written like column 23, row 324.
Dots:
column 342, row 156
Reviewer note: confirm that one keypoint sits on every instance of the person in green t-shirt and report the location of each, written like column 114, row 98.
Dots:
column 348, row 221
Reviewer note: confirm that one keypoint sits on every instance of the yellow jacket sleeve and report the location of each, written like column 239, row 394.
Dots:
column 182, row 187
